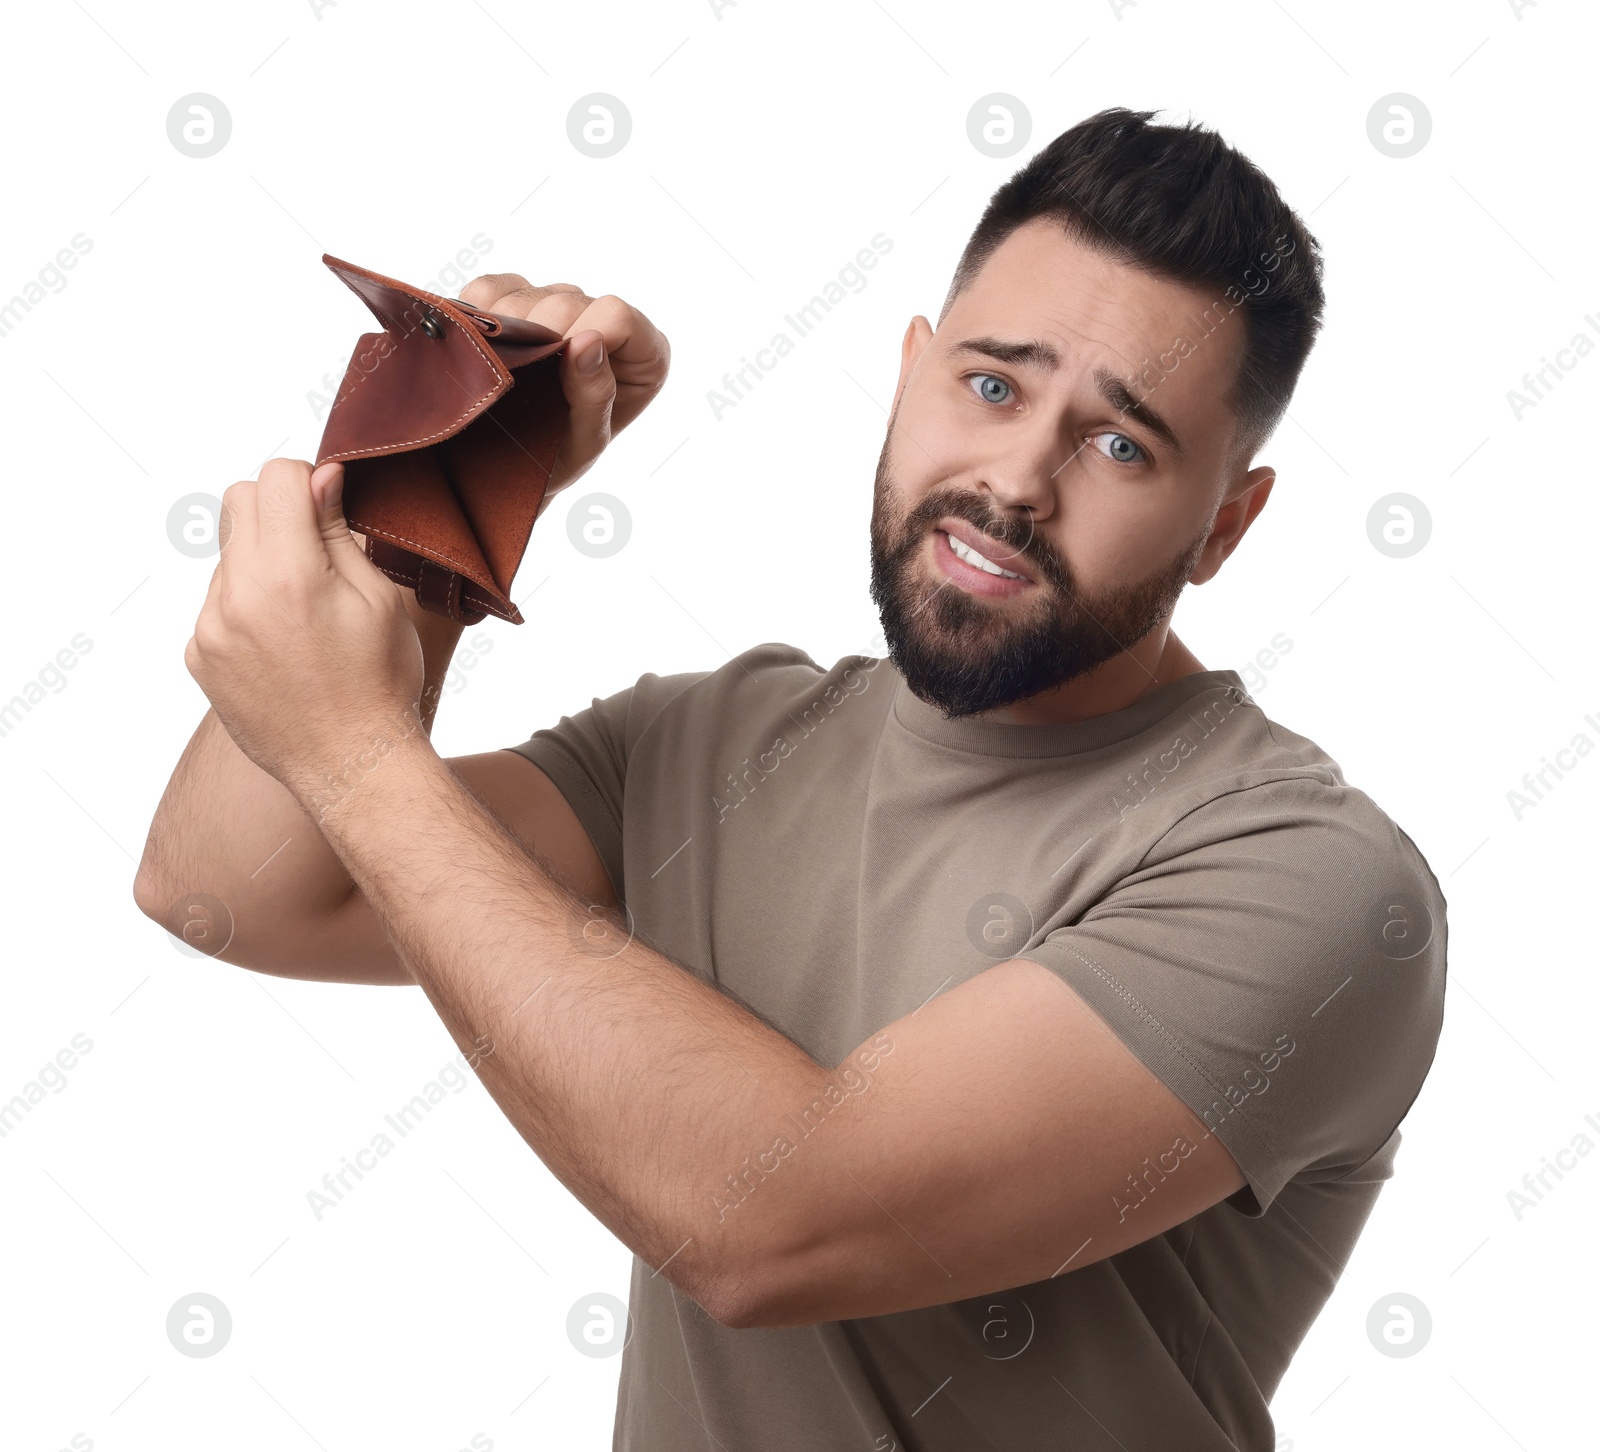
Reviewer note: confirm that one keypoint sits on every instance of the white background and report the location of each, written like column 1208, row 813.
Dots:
column 769, row 144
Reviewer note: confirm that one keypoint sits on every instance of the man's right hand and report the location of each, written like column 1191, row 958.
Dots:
column 631, row 366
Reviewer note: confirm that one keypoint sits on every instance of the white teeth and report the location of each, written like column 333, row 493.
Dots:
column 977, row 561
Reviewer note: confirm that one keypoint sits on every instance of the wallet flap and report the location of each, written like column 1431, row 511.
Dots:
column 437, row 373
column 503, row 329
column 515, row 341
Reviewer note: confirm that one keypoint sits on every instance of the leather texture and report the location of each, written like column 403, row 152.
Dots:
column 448, row 423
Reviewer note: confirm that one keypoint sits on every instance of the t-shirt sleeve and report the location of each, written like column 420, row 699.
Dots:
column 586, row 755
column 1277, row 959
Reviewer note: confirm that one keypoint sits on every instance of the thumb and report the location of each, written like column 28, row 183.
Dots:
column 327, row 494
column 589, row 399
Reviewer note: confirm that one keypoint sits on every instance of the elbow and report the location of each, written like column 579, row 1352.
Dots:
column 739, row 1306
column 765, row 1295
column 732, row 1291
column 779, row 1272
column 146, row 894
column 180, row 916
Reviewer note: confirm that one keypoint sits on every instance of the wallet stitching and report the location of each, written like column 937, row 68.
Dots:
column 469, row 589
column 427, row 299
column 468, row 597
column 426, row 438
column 401, row 539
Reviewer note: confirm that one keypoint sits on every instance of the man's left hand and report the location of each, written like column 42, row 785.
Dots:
column 303, row 646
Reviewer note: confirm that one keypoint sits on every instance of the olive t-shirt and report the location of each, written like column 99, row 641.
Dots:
column 834, row 852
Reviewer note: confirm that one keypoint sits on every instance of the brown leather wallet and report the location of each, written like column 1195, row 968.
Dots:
column 448, row 423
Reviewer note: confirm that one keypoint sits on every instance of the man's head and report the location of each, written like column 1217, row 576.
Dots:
column 1124, row 331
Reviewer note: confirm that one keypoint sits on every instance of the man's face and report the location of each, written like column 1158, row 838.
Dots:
column 1011, row 449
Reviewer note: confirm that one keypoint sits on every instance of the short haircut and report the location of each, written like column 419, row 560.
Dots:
column 1180, row 203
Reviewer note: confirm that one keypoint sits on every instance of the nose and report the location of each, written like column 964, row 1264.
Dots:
column 1024, row 480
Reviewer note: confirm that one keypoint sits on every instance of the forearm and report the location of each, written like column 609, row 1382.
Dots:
column 641, row 1087
column 229, row 830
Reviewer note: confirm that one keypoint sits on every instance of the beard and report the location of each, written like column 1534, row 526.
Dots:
column 965, row 655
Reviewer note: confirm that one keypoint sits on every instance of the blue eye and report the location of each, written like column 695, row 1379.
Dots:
column 989, row 388
column 1122, row 449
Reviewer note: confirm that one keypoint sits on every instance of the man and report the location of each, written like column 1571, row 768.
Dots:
column 1000, row 1044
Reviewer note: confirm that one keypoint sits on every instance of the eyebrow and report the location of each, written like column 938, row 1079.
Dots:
column 1120, row 397
column 1036, row 353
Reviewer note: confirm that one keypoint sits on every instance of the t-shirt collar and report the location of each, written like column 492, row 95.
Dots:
column 989, row 737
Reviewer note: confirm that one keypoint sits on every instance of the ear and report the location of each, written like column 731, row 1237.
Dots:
column 918, row 333
column 1244, row 501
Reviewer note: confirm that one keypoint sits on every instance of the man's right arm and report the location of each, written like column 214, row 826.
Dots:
column 226, row 829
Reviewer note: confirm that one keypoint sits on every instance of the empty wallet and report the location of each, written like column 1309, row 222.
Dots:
column 448, row 423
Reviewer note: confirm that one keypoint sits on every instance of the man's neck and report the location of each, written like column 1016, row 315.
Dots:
column 1158, row 658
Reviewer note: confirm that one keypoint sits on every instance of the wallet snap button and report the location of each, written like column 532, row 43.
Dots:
column 432, row 326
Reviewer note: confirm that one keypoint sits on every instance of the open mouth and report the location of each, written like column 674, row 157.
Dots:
column 977, row 561
column 965, row 564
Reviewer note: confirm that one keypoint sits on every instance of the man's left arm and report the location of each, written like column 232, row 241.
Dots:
column 975, row 1144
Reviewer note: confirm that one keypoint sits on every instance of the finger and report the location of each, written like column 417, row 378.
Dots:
column 347, row 547
column 591, row 389
column 213, row 589
column 510, row 293
column 558, row 311
column 327, row 496
column 347, row 550
column 490, row 287
column 209, row 609
column 237, row 530
column 288, row 529
column 636, row 350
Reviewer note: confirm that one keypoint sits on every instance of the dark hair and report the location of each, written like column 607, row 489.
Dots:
column 1180, row 203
